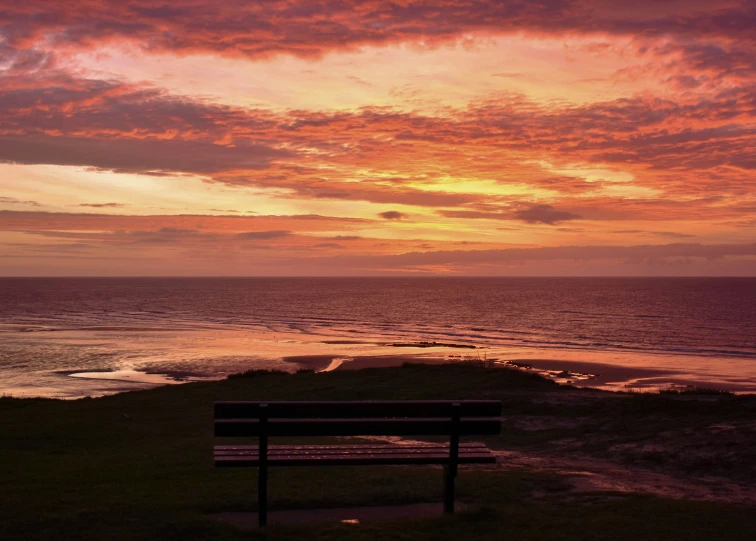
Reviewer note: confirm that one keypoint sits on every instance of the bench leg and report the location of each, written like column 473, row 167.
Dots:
column 262, row 469
column 448, row 491
column 262, row 496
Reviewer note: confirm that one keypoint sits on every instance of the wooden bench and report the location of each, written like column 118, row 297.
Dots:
column 366, row 418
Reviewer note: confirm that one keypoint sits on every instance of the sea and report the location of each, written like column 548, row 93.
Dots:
column 75, row 337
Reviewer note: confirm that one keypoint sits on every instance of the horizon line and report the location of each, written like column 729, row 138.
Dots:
column 47, row 277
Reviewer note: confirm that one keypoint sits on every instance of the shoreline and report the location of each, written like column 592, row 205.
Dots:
column 103, row 363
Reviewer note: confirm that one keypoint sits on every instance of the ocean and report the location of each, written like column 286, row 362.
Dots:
column 71, row 337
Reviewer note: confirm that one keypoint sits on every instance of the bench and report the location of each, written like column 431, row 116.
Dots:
column 264, row 420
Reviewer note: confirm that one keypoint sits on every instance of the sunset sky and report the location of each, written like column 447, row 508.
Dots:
column 303, row 137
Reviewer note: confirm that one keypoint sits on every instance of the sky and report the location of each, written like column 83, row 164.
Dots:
column 404, row 138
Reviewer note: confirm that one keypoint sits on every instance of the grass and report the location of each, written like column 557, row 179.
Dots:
column 695, row 391
column 138, row 465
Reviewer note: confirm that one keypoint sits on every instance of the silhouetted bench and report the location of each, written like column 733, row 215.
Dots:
column 369, row 418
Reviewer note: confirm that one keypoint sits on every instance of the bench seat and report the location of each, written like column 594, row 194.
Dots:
column 362, row 418
column 343, row 455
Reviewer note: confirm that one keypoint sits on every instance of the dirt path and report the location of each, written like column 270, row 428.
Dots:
column 588, row 474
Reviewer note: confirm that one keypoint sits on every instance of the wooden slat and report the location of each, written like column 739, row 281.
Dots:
column 350, row 452
column 271, row 448
column 358, row 409
column 356, row 427
column 475, row 453
column 346, row 460
column 436, row 458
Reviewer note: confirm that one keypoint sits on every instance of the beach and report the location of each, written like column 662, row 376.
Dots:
column 69, row 338
column 109, row 362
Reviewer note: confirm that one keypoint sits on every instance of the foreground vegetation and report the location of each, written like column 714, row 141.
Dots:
column 138, row 465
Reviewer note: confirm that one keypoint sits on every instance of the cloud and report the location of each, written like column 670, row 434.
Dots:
column 529, row 213
column 102, row 205
column 253, row 29
column 643, row 254
column 136, row 155
column 544, row 214
column 393, row 215
column 14, row 201
column 45, row 221
column 507, row 75
column 197, row 253
column 672, row 235
column 660, row 234
column 662, row 154
column 165, row 235
column 256, row 235
column 691, row 147
column 475, row 214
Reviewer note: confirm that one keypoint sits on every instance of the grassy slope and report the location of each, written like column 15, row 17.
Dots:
column 138, row 466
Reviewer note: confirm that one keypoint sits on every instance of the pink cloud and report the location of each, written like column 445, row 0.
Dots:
column 254, row 29
column 49, row 221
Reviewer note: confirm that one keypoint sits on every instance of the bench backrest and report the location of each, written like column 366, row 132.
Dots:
column 363, row 418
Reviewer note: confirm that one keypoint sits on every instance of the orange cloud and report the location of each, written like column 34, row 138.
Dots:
column 673, row 144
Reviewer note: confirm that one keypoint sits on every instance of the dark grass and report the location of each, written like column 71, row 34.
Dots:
column 696, row 391
column 139, row 466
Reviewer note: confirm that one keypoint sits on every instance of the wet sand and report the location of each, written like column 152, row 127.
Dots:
column 75, row 363
column 378, row 361
column 145, row 361
column 321, row 363
column 310, row 362
column 168, row 377
column 606, row 376
column 598, row 372
column 600, row 375
column 615, row 377
column 578, row 373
